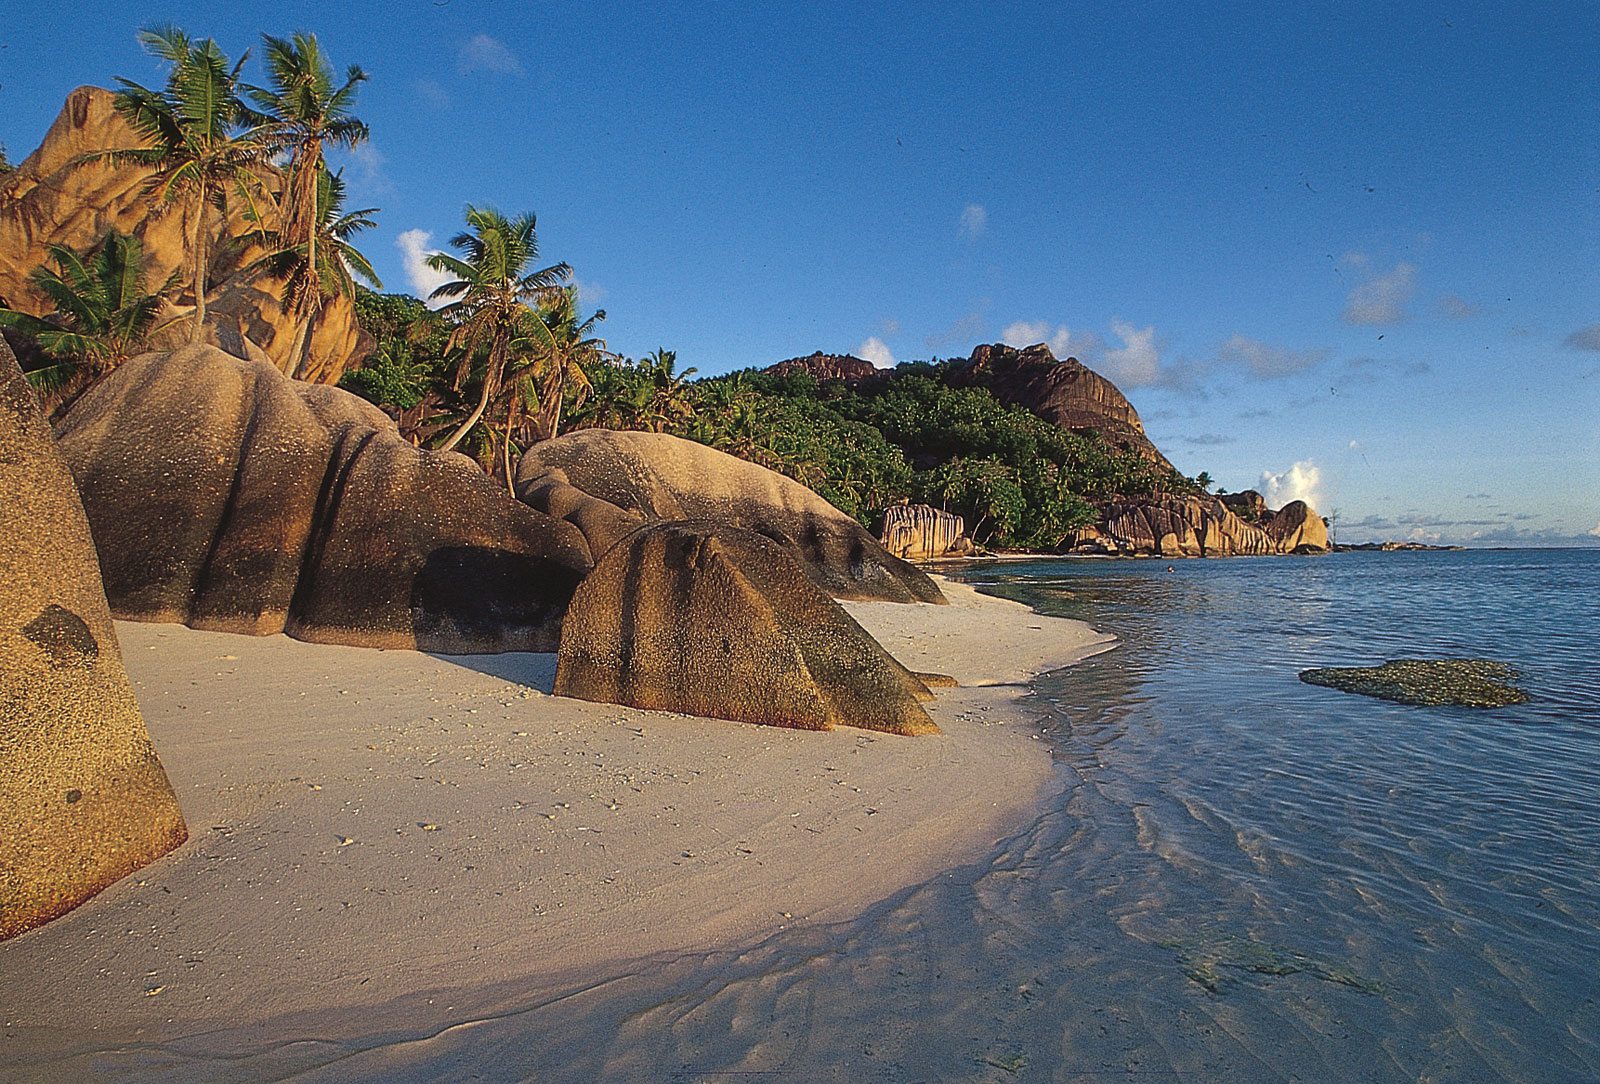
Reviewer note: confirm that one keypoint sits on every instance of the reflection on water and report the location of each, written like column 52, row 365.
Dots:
column 1247, row 877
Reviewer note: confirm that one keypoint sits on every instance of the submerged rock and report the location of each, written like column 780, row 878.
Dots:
column 226, row 496
column 83, row 799
column 610, row 483
column 1469, row 683
column 709, row 620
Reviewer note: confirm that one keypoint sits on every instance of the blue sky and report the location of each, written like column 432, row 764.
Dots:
column 1341, row 250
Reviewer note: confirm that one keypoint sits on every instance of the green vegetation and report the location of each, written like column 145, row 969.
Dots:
column 103, row 310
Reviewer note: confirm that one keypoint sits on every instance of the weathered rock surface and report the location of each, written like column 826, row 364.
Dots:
column 1297, row 528
column 83, row 799
column 1170, row 525
column 609, row 483
column 50, row 199
column 918, row 532
column 845, row 367
column 709, row 620
column 226, row 496
column 1064, row 393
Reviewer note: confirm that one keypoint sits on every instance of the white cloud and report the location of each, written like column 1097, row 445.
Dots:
column 1355, row 445
column 1381, row 300
column 1137, row 362
column 974, row 220
column 1301, row 482
column 1596, row 532
column 481, row 53
column 414, row 252
column 1585, row 338
column 1457, row 307
column 877, row 352
column 1267, row 361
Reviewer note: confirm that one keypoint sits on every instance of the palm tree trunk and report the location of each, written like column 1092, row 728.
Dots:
column 200, row 253
column 510, row 488
column 472, row 419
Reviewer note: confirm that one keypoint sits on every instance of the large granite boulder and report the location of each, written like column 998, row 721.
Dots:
column 226, row 496
column 1296, row 528
column 53, row 198
column 918, row 532
column 1064, row 393
column 83, row 799
column 709, row 620
column 609, row 483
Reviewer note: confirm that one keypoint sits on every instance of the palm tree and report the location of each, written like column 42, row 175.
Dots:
column 102, row 310
column 669, row 400
column 493, row 292
column 197, row 137
column 317, row 270
column 300, row 114
column 565, row 347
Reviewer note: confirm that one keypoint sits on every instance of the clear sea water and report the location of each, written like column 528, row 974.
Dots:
column 1246, row 878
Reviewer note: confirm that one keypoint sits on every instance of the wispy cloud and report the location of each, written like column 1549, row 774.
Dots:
column 430, row 92
column 1209, row 440
column 1061, row 341
column 1585, row 338
column 974, row 220
column 414, row 252
column 367, row 169
column 1301, row 482
column 965, row 330
column 590, row 293
column 1458, row 308
column 1267, row 361
column 876, row 351
column 482, row 53
column 1381, row 300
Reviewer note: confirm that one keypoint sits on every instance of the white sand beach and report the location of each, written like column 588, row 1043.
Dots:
column 367, row 825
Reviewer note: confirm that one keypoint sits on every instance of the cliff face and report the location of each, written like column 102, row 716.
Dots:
column 1065, row 393
column 53, row 199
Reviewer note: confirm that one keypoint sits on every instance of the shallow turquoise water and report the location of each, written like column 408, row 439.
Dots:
column 1439, row 865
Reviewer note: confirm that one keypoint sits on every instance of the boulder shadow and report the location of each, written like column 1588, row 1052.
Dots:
column 536, row 670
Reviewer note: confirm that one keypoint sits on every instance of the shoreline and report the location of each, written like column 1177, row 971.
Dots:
column 384, row 840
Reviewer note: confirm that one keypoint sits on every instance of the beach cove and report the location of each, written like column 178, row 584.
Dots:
column 386, row 845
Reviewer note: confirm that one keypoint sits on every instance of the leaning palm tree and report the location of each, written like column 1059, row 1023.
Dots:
column 300, row 114
column 670, row 402
column 492, row 298
column 103, row 311
column 317, row 270
column 198, row 140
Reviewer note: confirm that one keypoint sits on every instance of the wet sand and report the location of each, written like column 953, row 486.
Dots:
column 386, row 845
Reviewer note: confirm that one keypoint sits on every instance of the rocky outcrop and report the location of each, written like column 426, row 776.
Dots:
column 610, row 483
column 845, row 367
column 53, row 198
column 226, row 496
column 709, row 620
column 1064, row 393
column 1170, row 525
column 83, row 799
column 917, row 532
column 1247, row 504
column 1296, row 528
